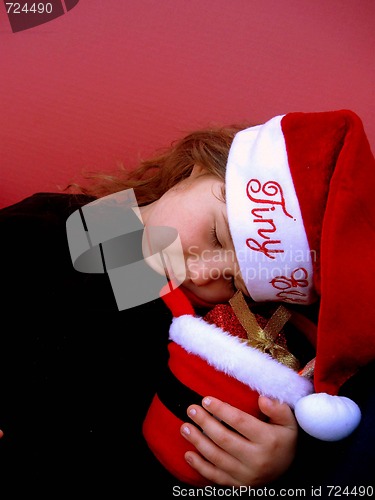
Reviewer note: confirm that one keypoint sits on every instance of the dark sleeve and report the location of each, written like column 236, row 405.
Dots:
column 36, row 260
column 77, row 375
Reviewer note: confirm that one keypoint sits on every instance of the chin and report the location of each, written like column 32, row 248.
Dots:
column 197, row 301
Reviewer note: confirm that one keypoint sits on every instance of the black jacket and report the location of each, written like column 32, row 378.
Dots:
column 77, row 376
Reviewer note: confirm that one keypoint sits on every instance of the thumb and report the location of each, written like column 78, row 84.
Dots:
column 278, row 413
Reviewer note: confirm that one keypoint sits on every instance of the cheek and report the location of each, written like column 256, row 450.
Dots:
column 172, row 211
column 195, row 237
column 183, row 231
column 163, row 216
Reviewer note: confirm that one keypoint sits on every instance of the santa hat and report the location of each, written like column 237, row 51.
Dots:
column 213, row 355
column 299, row 192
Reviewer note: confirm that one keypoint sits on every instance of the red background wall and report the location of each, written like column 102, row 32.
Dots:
column 110, row 81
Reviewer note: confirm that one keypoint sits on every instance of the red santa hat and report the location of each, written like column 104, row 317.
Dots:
column 299, row 192
column 211, row 355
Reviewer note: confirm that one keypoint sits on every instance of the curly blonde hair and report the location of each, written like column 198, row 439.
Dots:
column 207, row 148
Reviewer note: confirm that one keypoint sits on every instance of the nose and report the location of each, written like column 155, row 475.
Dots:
column 203, row 271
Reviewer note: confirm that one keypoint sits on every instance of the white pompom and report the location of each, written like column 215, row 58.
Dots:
column 325, row 417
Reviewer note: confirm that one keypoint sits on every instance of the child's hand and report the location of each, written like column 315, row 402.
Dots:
column 258, row 453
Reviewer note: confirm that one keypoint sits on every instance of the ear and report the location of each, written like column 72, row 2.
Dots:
column 197, row 170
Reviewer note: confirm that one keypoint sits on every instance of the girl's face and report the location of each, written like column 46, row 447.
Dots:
column 196, row 209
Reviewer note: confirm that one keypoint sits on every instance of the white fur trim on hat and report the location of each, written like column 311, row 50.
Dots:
column 227, row 353
column 265, row 218
column 326, row 417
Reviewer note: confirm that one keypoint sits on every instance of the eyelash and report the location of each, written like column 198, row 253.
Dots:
column 232, row 285
column 215, row 239
column 216, row 243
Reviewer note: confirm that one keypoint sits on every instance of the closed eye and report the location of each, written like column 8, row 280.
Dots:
column 233, row 285
column 215, row 239
column 216, row 243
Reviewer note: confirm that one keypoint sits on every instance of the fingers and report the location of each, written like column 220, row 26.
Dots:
column 278, row 413
column 243, row 423
column 212, row 433
column 218, row 441
column 246, row 425
column 211, row 462
column 246, row 450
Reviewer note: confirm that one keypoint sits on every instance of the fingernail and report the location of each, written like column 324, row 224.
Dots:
column 192, row 412
column 268, row 401
column 186, row 430
column 207, row 401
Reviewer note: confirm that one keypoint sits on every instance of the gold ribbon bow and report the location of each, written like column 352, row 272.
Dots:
column 264, row 339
